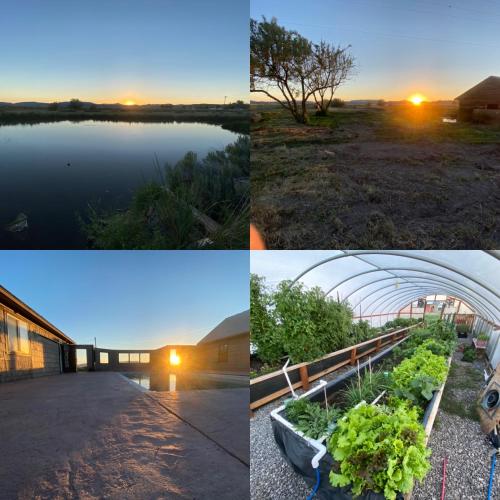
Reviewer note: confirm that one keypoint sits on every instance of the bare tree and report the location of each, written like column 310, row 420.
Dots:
column 332, row 67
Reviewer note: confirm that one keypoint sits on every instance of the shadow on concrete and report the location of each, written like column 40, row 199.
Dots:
column 93, row 435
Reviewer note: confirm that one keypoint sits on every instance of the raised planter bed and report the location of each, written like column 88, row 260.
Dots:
column 271, row 386
column 305, row 455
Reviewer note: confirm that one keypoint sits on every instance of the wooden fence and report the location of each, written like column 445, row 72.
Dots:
column 266, row 388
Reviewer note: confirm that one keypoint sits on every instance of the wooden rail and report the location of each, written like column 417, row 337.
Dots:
column 301, row 371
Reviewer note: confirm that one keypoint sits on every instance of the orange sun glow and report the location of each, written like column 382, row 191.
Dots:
column 417, row 99
column 129, row 102
column 174, row 358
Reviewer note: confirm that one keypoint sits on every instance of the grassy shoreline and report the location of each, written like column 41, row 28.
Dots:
column 235, row 120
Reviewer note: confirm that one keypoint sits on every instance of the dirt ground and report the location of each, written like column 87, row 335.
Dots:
column 375, row 178
column 96, row 435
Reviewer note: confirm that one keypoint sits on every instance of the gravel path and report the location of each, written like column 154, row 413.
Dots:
column 461, row 440
column 271, row 478
column 469, row 459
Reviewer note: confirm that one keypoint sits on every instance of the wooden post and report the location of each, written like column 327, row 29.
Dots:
column 425, row 307
column 442, row 309
column 353, row 356
column 411, row 309
column 304, row 377
column 377, row 345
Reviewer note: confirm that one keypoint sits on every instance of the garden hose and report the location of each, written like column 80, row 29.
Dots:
column 492, row 473
column 316, row 486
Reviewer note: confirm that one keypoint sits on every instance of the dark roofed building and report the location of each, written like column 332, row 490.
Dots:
column 226, row 347
column 484, row 95
column 30, row 346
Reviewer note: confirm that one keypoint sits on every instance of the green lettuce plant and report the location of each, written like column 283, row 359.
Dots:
column 380, row 449
column 417, row 377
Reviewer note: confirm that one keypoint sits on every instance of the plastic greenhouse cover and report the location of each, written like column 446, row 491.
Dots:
column 378, row 282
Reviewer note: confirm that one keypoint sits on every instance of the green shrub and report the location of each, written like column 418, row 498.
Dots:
column 469, row 354
column 309, row 323
column 483, row 337
column 462, row 328
column 165, row 213
column 263, row 329
column 443, row 331
column 401, row 323
column 362, row 331
column 380, row 449
column 310, row 418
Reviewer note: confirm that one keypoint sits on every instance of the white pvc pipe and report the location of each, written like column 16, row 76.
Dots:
column 315, row 443
column 288, row 379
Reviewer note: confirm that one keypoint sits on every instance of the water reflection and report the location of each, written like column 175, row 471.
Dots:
column 52, row 171
column 172, row 382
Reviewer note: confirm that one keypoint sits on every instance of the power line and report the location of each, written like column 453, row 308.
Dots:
column 392, row 35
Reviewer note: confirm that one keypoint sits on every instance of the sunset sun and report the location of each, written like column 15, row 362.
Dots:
column 129, row 102
column 417, row 99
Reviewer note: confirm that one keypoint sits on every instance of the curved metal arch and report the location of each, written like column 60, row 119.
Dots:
column 397, row 253
column 401, row 302
column 393, row 294
column 391, row 298
column 471, row 290
column 456, row 291
column 402, row 287
column 386, row 270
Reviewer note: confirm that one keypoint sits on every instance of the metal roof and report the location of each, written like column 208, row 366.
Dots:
column 10, row 300
column 487, row 90
column 230, row 327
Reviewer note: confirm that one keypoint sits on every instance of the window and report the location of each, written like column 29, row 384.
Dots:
column 23, row 337
column 104, row 358
column 223, row 353
column 18, row 334
column 12, row 333
column 134, row 357
column 123, row 357
column 144, row 357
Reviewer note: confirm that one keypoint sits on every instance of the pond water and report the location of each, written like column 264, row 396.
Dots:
column 171, row 382
column 51, row 172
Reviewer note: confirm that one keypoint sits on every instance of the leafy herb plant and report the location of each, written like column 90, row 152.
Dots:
column 310, row 418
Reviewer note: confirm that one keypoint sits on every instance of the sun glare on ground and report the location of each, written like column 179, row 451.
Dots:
column 129, row 102
column 417, row 99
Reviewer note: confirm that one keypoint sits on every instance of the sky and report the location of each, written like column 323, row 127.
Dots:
column 130, row 299
column 147, row 51
column 438, row 48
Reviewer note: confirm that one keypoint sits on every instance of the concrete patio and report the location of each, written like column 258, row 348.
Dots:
column 96, row 435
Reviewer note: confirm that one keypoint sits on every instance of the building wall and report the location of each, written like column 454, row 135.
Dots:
column 238, row 355
column 158, row 359
column 42, row 359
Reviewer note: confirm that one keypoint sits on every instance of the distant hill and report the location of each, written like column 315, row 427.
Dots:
column 30, row 104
